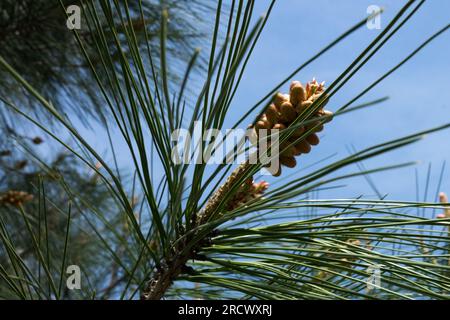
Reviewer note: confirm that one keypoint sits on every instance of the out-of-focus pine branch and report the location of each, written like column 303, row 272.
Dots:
column 40, row 189
column 35, row 40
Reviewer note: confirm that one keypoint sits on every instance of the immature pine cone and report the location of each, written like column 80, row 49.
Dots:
column 15, row 198
column 249, row 190
column 443, row 199
column 282, row 112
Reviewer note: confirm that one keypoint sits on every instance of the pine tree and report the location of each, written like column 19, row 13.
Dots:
column 195, row 231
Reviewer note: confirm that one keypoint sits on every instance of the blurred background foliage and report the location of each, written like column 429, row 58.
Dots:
column 37, row 43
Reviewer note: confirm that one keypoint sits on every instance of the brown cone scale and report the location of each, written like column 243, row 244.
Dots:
column 285, row 109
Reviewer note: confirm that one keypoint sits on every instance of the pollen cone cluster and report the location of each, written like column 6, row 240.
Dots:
column 15, row 198
column 282, row 112
column 248, row 191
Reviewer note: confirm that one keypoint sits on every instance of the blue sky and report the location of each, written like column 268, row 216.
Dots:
column 419, row 92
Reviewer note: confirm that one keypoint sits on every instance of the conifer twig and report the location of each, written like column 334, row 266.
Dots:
column 280, row 114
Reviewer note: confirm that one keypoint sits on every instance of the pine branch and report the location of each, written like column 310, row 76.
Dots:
column 176, row 263
column 282, row 114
